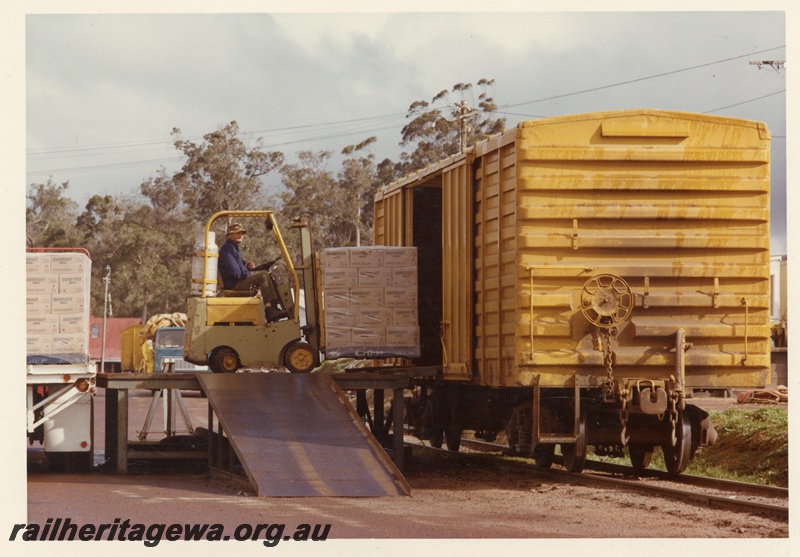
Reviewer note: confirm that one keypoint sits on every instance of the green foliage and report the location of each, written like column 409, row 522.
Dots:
column 340, row 206
column 220, row 174
column 49, row 216
column 753, row 445
column 309, row 189
column 435, row 132
column 149, row 256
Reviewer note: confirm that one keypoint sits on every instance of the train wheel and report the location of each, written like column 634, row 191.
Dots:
column 453, row 438
column 677, row 457
column 446, row 418
column 513, row 430
column 543, row 454
column 437, row 438
column 437, row 418
column 224, row 360
column 640, row 455
column 575, row 453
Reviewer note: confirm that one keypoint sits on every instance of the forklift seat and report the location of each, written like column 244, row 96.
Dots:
column 222, row 293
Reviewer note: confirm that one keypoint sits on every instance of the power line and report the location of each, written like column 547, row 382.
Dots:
column 134, row 164
column 745, row 102
column 396, row 114
column 654, row 76
column 291, row 129
column 125, row 145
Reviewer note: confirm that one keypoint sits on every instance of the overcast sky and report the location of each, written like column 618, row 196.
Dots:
column 103, row 92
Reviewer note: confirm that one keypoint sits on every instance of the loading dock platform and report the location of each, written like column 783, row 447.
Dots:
column 263, row 434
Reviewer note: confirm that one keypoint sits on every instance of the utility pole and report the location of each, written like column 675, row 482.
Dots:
column 462, row 113
column 774, row 64
column 106, row 280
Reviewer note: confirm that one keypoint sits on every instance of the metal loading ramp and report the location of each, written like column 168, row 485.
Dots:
column 296, row 435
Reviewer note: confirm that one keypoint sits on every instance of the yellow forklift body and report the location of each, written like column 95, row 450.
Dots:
column 231, row 332
column 234, row 310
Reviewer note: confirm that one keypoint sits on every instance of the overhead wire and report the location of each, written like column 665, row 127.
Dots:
column 639, row 79
column 367, row 126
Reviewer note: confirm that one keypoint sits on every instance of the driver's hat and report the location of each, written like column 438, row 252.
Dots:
column 236, row 228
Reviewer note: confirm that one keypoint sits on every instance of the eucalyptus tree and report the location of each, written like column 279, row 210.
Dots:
column 309, row 189
column 219, row 173
column 50, row 216
column 435, row 128
column 358, row 181
column 150, row 264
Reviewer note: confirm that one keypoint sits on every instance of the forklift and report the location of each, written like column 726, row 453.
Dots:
column 228, row 330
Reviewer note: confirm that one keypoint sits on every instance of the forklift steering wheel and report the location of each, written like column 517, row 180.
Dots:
column 266, row 266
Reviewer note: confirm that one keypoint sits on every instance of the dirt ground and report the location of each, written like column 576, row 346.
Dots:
column 449, row 500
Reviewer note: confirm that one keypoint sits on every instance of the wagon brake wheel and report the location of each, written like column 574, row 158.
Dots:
column 606, row 300
column 575, row 453
column 677, row 457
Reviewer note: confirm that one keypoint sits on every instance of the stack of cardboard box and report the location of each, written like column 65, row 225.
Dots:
column 370, row 302
column 57, row 303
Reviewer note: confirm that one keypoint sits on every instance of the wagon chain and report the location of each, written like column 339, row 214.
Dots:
column 606, row 335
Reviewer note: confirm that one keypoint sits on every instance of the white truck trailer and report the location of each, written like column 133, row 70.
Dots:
column 60, row 376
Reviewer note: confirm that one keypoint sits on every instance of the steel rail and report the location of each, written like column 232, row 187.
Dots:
column 688, row 479
column 634, row 484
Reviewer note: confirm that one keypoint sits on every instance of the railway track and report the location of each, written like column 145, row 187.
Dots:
column 722, row 494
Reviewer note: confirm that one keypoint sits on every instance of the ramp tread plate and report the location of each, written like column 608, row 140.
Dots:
column 296, row 435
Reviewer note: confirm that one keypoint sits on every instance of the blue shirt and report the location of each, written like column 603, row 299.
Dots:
column 231, row 265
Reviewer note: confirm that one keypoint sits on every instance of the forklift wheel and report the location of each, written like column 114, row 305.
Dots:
column 300, row 358
column 224, row 360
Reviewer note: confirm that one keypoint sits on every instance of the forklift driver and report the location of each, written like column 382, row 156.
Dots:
column 236, row 274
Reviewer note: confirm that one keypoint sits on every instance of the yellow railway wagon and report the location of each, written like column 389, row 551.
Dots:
column 622, row 256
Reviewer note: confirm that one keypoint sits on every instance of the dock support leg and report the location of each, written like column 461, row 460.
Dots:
column 378, row 413
column 397, row 420
column 211, row 462
column 122, row 431
column 111, row 424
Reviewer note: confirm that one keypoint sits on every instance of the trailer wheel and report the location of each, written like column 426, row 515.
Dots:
column 77, row 462
column 300, row 358
column 224, row 360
